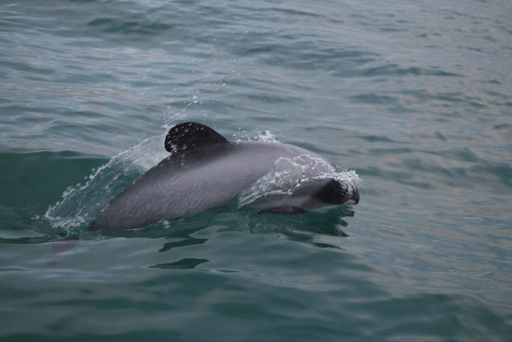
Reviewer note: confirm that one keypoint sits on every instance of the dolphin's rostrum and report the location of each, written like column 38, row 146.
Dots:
column 205, row 170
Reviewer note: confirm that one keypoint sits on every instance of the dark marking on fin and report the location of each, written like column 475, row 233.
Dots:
column 190, row 136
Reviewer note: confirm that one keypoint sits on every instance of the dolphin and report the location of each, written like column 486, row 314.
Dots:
column 206, row 170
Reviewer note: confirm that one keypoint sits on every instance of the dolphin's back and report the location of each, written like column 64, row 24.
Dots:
column 183, row 186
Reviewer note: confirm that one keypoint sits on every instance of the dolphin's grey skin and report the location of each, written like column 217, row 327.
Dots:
column 205, row 170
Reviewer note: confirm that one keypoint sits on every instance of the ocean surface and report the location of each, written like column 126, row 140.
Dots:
column 413, row 96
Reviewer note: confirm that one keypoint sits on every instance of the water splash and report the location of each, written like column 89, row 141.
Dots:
column 261, row 136
column 290, row 173
column 80, row 203
column 266, row 137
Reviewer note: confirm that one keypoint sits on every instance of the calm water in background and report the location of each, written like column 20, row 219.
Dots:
column 415, row 96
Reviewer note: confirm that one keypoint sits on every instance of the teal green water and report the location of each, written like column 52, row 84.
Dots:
column 413, row 96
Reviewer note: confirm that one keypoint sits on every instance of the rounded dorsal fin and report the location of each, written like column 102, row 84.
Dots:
column 189, row 136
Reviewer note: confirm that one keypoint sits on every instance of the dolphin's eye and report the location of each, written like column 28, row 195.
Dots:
column 333, row 193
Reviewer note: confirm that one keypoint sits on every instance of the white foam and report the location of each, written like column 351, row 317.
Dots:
column 81, row 202
column 289, row 173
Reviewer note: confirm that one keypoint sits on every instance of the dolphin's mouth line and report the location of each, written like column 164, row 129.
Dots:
column 350, row 202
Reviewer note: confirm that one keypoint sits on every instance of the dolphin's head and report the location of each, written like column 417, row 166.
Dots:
column 337, row 193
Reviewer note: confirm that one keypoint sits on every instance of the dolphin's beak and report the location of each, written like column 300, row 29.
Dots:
column 355, row 198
